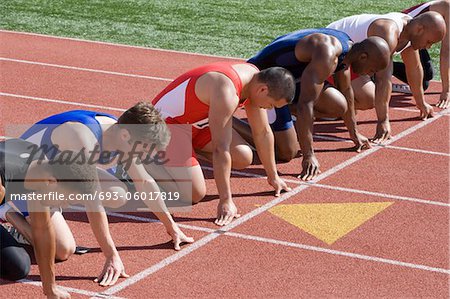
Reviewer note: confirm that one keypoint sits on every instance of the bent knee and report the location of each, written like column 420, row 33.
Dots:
column 286, row 154
column 15, row 263
column 339, row 109
column 198, row 194
column 242, row 157
column 364, row 103
column 64, row 252
column 119, row 198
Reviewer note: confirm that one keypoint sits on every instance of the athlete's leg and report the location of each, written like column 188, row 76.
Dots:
column 188, row 181
column 364, row 91
column 113, row 187
column 330, row 103
column 286, row 144
column 241, row 153
column 399, row 70
column 14, row 260
column 65, row 243
column 182, row 173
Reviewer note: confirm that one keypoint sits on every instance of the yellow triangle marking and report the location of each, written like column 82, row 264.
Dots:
column 329, row 221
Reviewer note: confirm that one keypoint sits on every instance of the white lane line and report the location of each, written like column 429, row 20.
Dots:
column 375, row 149
column 383, row 195
column 68, row 289
column 322, row 137
column 118, row 45
column 151, row 220
column 417, row 150
column 59, row 101
column 338, row 252
column 405, row 109
column 299, row 245
column 402, row 148
column 145, row 219
column 85, row 69
column 198, row 244
column 344, row 189
column 205, row 240
column 332, row 138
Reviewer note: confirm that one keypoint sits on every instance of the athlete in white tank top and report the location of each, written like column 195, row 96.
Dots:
column 416, row 11
column 357, row 26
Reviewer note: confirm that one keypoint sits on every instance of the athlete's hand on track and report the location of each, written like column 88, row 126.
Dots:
column 426, row 111
column 383, row 132
column 58, row 293
column 278, row 184
column 112, row 270
column 361, row 142
column 226, row 212
column 444, row 101
column 310, row 166
column 178, row 238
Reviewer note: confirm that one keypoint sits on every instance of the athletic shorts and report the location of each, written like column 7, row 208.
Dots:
column 181, row 137
column 280, row 119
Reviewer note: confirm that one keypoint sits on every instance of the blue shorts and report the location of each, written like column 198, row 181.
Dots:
column 280, row 119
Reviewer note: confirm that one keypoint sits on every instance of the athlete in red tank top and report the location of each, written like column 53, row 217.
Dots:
column 206, row 98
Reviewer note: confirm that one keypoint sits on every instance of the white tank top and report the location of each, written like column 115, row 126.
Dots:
column 357, row 26
column 416, row 11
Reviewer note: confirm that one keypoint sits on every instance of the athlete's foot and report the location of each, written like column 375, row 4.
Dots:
column 401, row 88
column 16, row 234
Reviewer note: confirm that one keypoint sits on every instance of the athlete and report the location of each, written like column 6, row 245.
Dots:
column 404, row 35
column 205, row 99
column 25, row 171
column 119, row 144
column 443, row 8
column 313, row 55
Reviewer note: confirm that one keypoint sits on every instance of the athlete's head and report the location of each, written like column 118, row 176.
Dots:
column 369, row 56
column 426, row 29
column 68, row 173
column 273, row 87
column 144, row 123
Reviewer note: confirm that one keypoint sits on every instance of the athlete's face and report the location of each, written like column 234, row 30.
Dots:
column 262, row 99
column 366, row 66
column 424, row 39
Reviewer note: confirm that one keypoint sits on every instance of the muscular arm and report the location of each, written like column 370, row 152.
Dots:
column 78, row 137
column 74, row 137
column 343, row 84
column 99, row 225
column 383, row 90
column 223, row 102
column 263, row 138
column 443, row 8
column 323, row 61
column 44, row 246
column 414, row 74
column 383, row 79
column 444, row 63
column 145, row 183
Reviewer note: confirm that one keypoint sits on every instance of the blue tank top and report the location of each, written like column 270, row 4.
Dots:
column 51, row 123
column 281, row 52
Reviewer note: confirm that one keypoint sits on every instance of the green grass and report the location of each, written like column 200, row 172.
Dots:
column 236, row 28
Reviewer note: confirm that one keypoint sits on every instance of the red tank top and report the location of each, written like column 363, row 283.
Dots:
column 178, row 102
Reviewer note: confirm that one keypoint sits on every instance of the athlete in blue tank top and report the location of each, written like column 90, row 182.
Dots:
column 121, row 141
column 312, row 56
column 41, row 132
column 281, row 52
